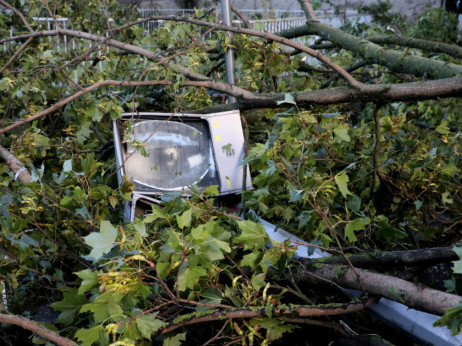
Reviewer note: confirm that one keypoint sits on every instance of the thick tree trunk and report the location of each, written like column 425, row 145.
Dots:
column 415, row 296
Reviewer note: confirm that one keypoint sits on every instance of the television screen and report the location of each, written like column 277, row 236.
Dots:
column 161, row 152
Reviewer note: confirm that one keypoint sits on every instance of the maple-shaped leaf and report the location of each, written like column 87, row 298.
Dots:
column 342, row 179
column 149, row 324
column 253, row 235
column 102, row 241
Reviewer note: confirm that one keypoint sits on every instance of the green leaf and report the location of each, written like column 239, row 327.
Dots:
column 443, row 128
column 90, row 280
column 341, row 134
column 296, row 195
column 355, row 203
column 342, row 179
column 190, row 277
column 253, row 235
column 457, row 264
column 451, row 319
column 89, row 165
column 275, row 327
column 287, row 99
column 418, row 205
column 258, row 281
column 67, row 166
column 175, row 340
column 448, row 170
column 69, row 305
column 149, row 324
column 140, row 227
column 210, row 296
column 252, row 259
column 88, row 337
column 103, row 241
column 355, row 225
column 106, row 306
column 387, row 231
column 446, row 199
column 211, row 191
column 184, row 220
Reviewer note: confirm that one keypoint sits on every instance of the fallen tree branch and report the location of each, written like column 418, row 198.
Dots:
column 281, row 312
column 413, row 295
column 424, row 257
column 425, row 45
column 241, row 16
column 15, row 165
column 247, row 100
column 392, row 59
column 34, row 327
column 150, row 55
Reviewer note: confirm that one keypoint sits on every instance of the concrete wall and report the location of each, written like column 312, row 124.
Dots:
column 411, row 8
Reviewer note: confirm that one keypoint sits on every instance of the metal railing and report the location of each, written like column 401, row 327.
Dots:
column 269, row 24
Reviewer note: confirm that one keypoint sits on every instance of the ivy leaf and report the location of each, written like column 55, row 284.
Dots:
column 175, row 340
column 342, row 179
column 103, row 241
column 253, row 235
column 355, row 225
column 90, row 279
column 288, row 98
column 149, row 324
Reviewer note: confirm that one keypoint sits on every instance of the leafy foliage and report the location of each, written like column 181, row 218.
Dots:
column 317, row 172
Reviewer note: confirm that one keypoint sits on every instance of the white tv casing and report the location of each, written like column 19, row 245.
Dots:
column 227, row 140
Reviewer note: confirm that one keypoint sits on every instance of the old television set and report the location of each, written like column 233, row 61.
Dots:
column 167, row 152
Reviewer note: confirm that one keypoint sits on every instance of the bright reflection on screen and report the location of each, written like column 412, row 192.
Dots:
column 179, row 155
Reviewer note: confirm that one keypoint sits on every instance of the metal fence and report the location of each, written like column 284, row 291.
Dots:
column 268, row 21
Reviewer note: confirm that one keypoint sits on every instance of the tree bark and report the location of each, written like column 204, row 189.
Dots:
column 15, row 165
column 34, row 327
column 413, row 295
column 424, row 257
